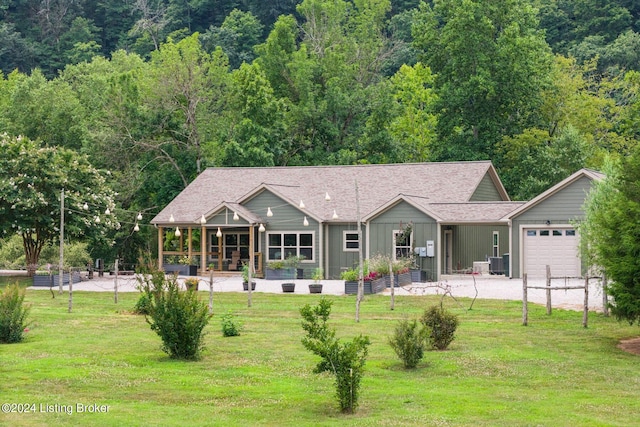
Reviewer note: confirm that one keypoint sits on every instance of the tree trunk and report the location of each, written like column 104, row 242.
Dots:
column 32, row 248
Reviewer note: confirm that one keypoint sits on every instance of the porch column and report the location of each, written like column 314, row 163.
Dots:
column 203, row 250
column 189, row 248
column 160, row 246
column 252, row 261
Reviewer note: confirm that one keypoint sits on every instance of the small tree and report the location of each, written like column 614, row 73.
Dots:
column 344, row 360
column 32, row 178
column 440, row 325
column 13, row 314
column 409, row 341
column 178, row 317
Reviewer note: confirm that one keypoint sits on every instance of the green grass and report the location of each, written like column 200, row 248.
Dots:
column 496, row 372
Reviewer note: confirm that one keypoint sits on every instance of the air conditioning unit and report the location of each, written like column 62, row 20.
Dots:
column 496, row 265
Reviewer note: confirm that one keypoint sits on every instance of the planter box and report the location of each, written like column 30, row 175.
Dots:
column 280, row 273
column 418, row 276
column 54, row 280
column 401, row 279
column 288, row 287
column 370, row 287
column 315, row 288
column 245, row 286
column 181, row 269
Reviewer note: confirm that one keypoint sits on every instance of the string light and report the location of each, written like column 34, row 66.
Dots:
column 171, row 219
column 97, row 220
column 219, row 233
column 85, row 206
column 269, row 213
column 305, row 222
column 136, row 228
column 203, row 220
column 302, row 204
column 327, row 197
column 335, row 215
column 139, row 217
column 235, row 216
column 107, row 211
column 178, row 232
column 261, row 228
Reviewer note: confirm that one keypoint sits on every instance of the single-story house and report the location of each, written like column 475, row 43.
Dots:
column 459, row 214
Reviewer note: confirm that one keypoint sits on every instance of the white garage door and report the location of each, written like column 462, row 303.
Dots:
column 557, row 248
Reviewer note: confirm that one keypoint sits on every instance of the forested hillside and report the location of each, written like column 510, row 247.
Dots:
column 154, row 91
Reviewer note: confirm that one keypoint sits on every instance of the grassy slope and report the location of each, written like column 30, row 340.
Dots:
column 497, row 372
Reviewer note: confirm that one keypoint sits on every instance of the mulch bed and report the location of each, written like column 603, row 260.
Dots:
column 631, row 346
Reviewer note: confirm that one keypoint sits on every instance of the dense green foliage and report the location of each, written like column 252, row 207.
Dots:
column 178, row 317
column 440, row 326
column 409, row 341
column 13, row 314
column 344, row 360
column 611, row 234
column 155, row 91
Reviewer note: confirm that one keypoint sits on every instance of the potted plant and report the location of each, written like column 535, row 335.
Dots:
column 316, row 286
column 293, row 262
column 289, row 287
column 245, row 278
column 191, row 284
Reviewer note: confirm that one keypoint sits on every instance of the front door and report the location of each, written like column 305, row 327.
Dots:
column 448, row 251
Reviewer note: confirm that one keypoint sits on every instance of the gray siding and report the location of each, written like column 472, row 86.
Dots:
column 424, row 228
column 285, row 218
column 486, row 191
column 563, row 207
column 340, row 260
column 475, row 243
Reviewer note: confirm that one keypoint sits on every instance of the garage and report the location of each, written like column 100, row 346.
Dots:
column 556, row 247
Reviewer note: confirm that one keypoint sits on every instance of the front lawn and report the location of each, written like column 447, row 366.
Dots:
column 496, row 372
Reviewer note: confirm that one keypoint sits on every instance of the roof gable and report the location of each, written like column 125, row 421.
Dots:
column 546, row 195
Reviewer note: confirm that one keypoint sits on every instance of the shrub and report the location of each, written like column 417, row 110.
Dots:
column 191, row 284
column 344, row 360
column 13, row 314
column 408, row 341
column 230, row 326
column 441, row 326
column 178, row 318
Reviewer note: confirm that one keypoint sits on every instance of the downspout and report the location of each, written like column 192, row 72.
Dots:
column 321, row 249
column 439, row 251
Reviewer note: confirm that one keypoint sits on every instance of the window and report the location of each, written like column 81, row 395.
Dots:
column 557, row 232
column 570, row 233
column 402, row 244
column 532, row 233
column 231, row 242
column 496, row 243
column 544, row 232
column 350, row 241
column 280, row 246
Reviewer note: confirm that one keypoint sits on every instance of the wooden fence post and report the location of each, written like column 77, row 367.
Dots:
column 525, row 309
column 548, row 290
column 585, row 315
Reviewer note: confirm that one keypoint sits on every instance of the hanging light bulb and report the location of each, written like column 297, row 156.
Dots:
column 305, row 222
column 335, row 215
column 178, row 232
column 139, row 217
column 326, row 196
column 171, row 219
column 261, row 228
column 97, row 220
column 107, row 211
column 219, row 233
column 203, row 220
column 235, row 216
column 136, row 228
column 85, row 206
column 302, row 204
column 269, row 213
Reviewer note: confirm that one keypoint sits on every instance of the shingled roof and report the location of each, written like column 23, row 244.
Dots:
column 425, row 185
